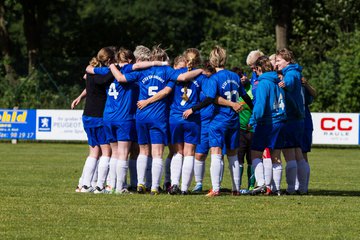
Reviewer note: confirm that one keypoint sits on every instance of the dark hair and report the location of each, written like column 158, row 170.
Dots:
column 239, row 71
column 264, row 63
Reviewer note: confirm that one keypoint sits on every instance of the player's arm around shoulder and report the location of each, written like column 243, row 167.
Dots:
column 117, row 74
column 157, row 97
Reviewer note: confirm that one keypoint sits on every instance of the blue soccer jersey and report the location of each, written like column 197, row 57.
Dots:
column 207, row 87
column 121, row 98
column 228, row 86
column 192, row 89
column 151, row 81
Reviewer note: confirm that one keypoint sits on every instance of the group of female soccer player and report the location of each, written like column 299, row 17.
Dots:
column 136, row 104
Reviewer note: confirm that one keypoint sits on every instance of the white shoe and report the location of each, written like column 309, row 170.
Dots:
column 78, row 189
column 86, row 189
column 123, row 191
column 99, row 190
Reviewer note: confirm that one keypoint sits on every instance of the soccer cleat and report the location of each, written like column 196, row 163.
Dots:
column 154, row 192
column 174, row 189
column 251, row 188
column 258, row 190
column 78, row 189
column 198, row 188
column 109, row 190
column 99, row 190
column 235, row 193
column 212, row 193
column 131, row 188
column 277, row 193
column 141, row 188
column 268, row 192
column 86, row 189
column 244, row 191
column 166, row 186
column 123, row 191
column 185, row 192
column 289, row 193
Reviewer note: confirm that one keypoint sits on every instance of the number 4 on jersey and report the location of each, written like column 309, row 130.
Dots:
column 112, row 91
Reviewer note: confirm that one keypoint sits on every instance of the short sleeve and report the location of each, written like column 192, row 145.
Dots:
column 101, row 70
column 132, row 77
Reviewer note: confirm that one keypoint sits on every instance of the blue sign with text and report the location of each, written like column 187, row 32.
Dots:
column 17, row 124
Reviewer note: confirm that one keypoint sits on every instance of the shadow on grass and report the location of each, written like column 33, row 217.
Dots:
column 334, row 193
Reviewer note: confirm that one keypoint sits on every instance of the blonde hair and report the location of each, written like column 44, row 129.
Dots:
column 158, row 54
column 217, row 57
column 104, row 57
column 142, row 53
column 192, row 57
column 125, row 56
column 253, row 56
column 286, row 54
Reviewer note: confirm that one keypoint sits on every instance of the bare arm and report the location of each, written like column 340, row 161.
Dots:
column 236, row 106
column 158, row 96
column 189, row 75
column 78, row 99
column 307, row 85
column 143, row 65
column 117, row 74
column 90, row 69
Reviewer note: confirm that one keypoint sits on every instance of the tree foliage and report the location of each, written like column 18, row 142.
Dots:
column 324, row 36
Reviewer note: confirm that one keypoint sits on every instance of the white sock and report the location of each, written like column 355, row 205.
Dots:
column 167, row 170
column 199, row 170
column 222, row 170
column 291, row 172
column 112, row 172
column 103, row 169
column 187, row 172
column 89, row 168
column 156, row 172
column 308, row 176
column 258, row 171
column 277, row 174
column 267, row 163
column 133, row 172
column 141, row 165
column 215, row 171
column 148, row 175
column 234, row 168
column 302, row 175
column 241, row 171
column 121, row 170
column 176, row 168
column 95, row 175
column 296, row 183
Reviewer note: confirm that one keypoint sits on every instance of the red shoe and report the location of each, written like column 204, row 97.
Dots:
column 268, row 191
column 213, row 193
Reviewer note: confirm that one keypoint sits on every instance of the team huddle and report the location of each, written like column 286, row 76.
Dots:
column 136, row 104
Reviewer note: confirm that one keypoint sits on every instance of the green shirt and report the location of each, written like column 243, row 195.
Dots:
column 246, row 113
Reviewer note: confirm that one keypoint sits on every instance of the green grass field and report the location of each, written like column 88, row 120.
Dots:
column 38, row 201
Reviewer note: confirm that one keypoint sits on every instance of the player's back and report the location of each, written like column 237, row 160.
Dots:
column 192, row 89
column 151, row 81
column 227, row 86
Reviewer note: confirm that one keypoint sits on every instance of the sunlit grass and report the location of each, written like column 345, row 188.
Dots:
column 38, row 201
